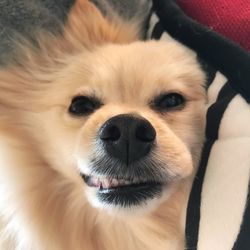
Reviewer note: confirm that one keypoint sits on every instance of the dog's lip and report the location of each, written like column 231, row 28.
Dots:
column 125, row 192
column 106, row 183
column 130, row 195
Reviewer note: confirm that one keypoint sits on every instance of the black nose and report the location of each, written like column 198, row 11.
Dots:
column 127, row 137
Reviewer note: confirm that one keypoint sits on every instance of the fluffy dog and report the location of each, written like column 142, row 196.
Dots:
column 99, row 137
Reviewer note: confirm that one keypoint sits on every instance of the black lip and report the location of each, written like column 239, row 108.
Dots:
column 130, row 195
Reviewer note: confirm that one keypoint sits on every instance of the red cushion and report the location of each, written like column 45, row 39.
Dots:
column 230, row 18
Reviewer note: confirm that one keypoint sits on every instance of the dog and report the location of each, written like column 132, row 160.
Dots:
column 100, row 137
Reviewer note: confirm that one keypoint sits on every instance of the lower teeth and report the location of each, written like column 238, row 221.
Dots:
column 107, row 183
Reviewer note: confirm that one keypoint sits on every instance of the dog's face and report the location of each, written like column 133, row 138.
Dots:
column 126, row 120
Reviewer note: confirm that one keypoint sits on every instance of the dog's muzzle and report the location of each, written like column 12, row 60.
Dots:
column 126, row 174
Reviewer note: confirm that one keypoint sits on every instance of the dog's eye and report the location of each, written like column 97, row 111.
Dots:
column 168, row 101
column 82, row 105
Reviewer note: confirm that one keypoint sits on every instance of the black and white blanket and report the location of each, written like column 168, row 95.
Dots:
column 218, row 215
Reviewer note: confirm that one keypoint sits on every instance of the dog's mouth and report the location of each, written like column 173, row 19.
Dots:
column 124, row 192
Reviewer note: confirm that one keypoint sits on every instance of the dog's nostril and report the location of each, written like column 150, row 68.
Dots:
column 145, row 132
column 110, row 133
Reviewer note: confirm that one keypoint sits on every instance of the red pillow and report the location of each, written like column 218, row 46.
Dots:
column 230, row 18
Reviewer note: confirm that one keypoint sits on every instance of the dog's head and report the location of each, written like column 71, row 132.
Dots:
column 126, row 120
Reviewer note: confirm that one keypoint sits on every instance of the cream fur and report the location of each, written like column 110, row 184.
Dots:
column 43, row 200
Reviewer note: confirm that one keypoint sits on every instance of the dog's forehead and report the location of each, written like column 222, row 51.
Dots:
column 137, row 70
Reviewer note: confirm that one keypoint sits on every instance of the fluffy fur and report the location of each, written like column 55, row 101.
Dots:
column 44, row 203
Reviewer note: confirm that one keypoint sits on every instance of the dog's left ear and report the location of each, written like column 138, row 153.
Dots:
column 86, row 25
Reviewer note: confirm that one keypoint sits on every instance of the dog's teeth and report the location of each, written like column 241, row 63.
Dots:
column 121, row 182
column 99, row 183
column 95, row 181
column 114, row 183
column 106, row 183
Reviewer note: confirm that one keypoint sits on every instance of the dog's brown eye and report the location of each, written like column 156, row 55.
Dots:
column 82, row 105
column 168, row 101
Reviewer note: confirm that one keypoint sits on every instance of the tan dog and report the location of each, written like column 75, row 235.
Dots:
column 99, row 138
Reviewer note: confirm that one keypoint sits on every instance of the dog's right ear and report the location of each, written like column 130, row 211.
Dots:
column 86, row 25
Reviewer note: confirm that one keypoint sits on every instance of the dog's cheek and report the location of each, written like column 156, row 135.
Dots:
column 171, row 149
column 56, row 139
column 188, row 124
column 174, row 153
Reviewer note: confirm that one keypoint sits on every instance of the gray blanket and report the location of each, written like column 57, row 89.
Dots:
column 26, row 17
